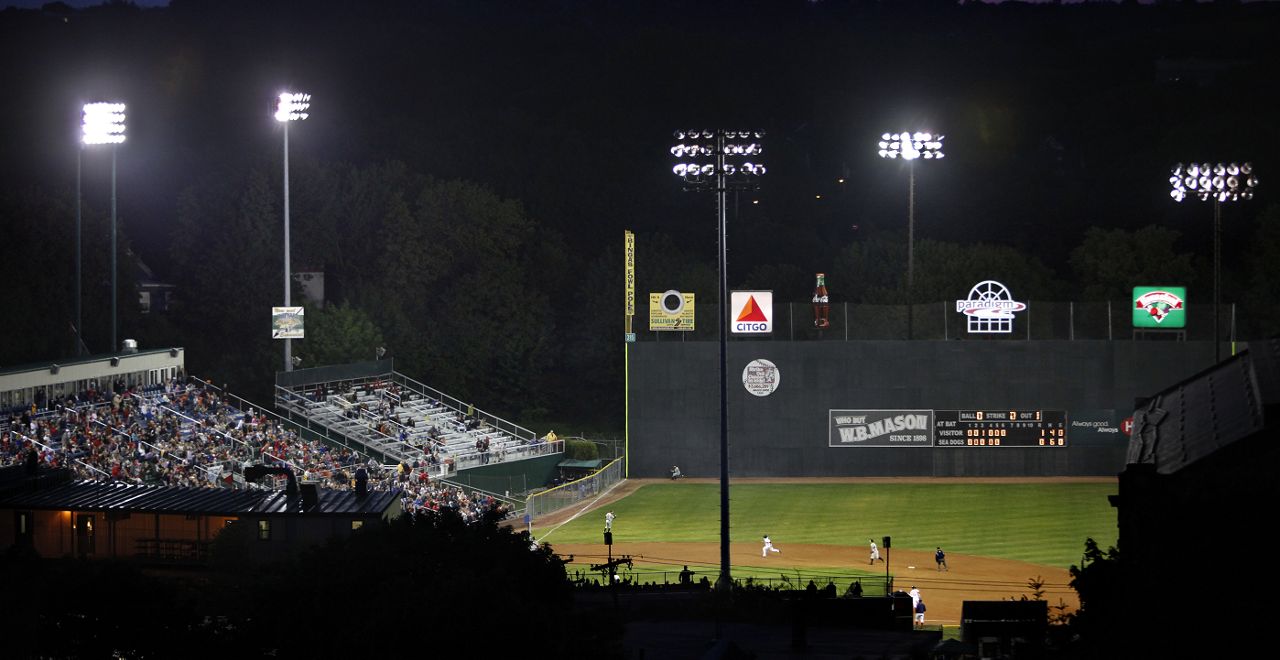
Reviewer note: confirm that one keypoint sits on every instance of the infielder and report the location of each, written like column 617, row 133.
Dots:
column 608, row 521
column 875, row 552
column 768, row 547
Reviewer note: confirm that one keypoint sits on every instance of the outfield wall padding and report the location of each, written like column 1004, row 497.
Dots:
column 675, row 406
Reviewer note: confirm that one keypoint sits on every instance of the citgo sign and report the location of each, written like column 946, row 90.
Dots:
column 751, row 312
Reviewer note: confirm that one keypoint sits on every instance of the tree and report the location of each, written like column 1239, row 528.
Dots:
column 875, row 271
column 461, row 286
column 1260, row 308
column 1098, row 580
column 229, row 243
column 1110, row 262
column 39, row 264
column 338, row 334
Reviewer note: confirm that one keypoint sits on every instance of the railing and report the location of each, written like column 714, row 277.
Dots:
column 1041, row 320
column 250, row 450
column 294, row 407
column 554, row 499
column 520, row 452
column 296, row 402
column 466, row 409
column 47, row 447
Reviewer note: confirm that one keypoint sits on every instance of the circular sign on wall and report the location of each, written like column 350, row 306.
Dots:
column 761, row 377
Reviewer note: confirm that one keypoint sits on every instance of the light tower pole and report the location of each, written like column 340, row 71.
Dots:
column 291, row 107
column 103, row 123
column 910, row 147
column 720, row 161
column 1220, row 182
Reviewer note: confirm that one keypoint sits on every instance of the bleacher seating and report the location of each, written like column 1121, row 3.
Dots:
column 188, row 434
column 397, row 417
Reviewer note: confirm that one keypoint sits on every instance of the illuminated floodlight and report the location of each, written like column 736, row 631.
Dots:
column 1220, row 182
column 910, row 146
column 292, row 107
column 103, row 123
column 708, row 155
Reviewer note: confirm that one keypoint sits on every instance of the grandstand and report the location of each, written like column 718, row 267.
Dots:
column 138, row 419
column 187, row 433
column 391, row 415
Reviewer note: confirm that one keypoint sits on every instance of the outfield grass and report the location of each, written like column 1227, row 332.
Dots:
column 1039, row 523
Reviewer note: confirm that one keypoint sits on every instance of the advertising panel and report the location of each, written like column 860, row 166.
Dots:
column 880, row 428
column 286, row 323
column 751, row 312
column 989, row 308
column 1159, row 307
column 761, row 377
column 671, row 310
column 1098, row 427
column 629, row 249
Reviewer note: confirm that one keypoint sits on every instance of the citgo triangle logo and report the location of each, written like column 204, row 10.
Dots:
column 752, row 312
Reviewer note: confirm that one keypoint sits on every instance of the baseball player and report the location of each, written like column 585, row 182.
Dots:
column 608, row 521
column 768, row 547
column 875, row 552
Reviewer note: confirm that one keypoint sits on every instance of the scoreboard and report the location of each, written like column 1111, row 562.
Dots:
column 1000, row 428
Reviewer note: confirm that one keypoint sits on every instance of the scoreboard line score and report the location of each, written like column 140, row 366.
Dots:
column 1000, row 428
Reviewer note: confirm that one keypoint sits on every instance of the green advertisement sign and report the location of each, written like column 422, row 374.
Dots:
column 1159, row 307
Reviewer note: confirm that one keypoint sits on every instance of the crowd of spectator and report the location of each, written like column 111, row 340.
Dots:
column 187, row 434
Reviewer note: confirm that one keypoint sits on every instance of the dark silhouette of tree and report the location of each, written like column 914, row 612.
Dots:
column 1110, row 262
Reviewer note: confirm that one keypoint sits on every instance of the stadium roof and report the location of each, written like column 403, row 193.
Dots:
column 1209, row 411
column 85, row 359
column 114, row 496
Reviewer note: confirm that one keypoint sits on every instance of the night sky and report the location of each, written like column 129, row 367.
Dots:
column 1057, row 118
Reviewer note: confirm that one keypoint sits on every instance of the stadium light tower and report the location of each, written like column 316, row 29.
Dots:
column 102, row 123
column 911, row 147
column 291, row 107
column 1220, row 182
column 720, row 161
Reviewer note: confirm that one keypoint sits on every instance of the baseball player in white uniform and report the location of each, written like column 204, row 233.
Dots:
column 608, row 521
column 875, row 552
column 768, row 547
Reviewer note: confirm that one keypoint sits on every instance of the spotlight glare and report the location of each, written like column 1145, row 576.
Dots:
column 292, row 106
column 104, row 123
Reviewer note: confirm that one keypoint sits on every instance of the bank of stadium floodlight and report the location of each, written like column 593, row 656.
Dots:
column 290, row 107
column 911, row 147
column 1219, row 182
column 720, row 161
column 102, row 123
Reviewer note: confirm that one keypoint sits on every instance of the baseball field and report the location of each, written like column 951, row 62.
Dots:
column 998, row 534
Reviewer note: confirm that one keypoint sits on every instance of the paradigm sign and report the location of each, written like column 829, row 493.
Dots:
column 751, row 312
column 990, row 308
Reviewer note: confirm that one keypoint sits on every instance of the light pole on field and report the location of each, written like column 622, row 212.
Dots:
column 102, row 123
column 1220, row 182
column 910, row 147
column 720, row 161
column 291, row 107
